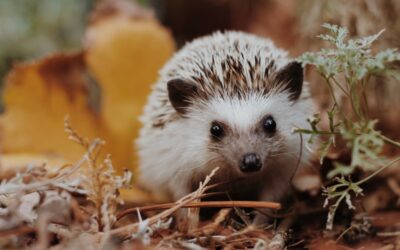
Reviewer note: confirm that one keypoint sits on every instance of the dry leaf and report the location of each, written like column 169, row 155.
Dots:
column 124, row 49
column 37, row 96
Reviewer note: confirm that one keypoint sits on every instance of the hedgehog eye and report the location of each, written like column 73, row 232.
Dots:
column 217, row 130
column 269, row 124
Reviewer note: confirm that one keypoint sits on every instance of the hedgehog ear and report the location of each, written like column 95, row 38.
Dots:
column 179, row 93
column 292, row 76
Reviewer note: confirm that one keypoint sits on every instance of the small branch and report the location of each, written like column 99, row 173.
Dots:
column 355, row 103
column 328, row 81
column 340, row 86
column 332, row 211
column 278, row 242
column 390, row 141
column 318, row 132
column 331, row 89
column 388, row 234
column 377, row 171
column 343, row 233
column 364, row 95
column 202, row 204
column 127, row 230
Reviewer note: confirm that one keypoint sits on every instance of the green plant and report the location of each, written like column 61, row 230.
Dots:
column 346, row 69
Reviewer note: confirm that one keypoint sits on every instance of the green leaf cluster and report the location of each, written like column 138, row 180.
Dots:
column 346, row 69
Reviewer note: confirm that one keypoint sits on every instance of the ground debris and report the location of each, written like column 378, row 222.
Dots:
column 78, row 207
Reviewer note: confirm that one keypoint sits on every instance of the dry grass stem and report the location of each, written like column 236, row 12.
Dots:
column 129, row 229
column 204, row 204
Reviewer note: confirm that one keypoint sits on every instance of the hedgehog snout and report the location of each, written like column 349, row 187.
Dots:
column 250, row 163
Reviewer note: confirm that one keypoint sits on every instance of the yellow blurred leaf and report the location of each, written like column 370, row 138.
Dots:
column 124, row 49
column 37, row 97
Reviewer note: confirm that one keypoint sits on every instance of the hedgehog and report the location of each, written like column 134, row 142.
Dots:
column 229, row 100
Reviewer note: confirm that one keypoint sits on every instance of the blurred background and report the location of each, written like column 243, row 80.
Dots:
column 32, row 29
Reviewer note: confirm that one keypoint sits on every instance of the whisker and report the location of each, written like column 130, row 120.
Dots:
column 285, row 153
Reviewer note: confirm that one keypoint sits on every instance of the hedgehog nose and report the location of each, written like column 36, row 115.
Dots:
column 250, row 163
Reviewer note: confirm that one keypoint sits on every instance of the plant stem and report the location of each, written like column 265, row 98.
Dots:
column 340, row 86
column 220, row 204
column 329, row 224
column 331, row 91
column 306, row 131
column 377, row 171
column 390, row 141
column 354, row 101
column 364, row 95
column 328, row 81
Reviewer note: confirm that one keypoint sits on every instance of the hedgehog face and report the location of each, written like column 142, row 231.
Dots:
column 246, row 134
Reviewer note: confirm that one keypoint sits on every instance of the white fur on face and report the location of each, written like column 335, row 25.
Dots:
column 179, row 153
column 243, row 113
column 244, row 118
